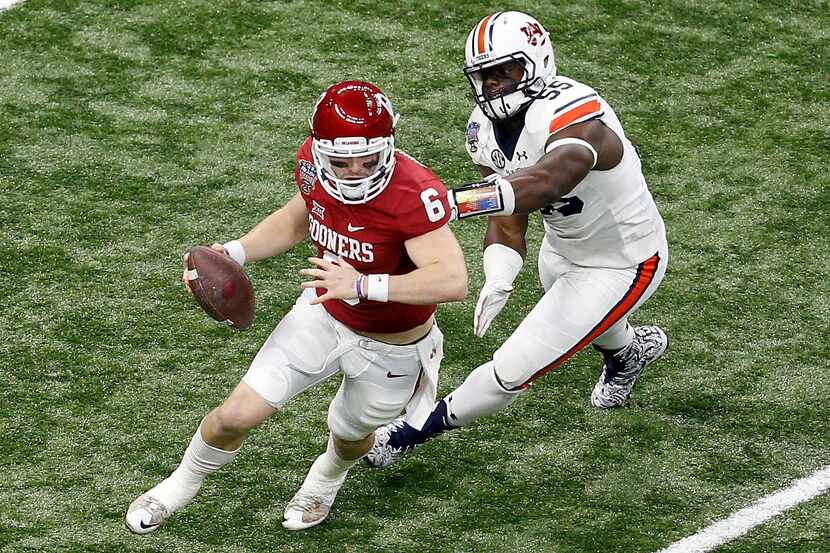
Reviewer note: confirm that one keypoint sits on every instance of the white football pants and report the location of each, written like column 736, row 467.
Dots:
column 581, row 305
column 380, row 380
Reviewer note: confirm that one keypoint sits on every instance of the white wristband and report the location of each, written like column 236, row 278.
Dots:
column 501, row 263
column 377, row 287
column 507, row 195
column 577, row 141
column 235, row 250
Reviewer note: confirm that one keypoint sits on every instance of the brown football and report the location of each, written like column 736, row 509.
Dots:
column 221, row 287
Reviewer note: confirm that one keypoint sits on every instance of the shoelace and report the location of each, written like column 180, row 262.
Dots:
column 153, row 506
column 305, row 501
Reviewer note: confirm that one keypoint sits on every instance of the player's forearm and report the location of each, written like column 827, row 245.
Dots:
column 528, row 189
column 551, row 178
column 532, row 192
column 509, row 231
column 276, row 234
column 434, row 283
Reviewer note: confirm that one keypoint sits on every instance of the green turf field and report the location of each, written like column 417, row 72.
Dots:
column 131, row 130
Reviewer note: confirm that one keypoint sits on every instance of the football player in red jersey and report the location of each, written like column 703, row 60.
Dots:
column 386, row 257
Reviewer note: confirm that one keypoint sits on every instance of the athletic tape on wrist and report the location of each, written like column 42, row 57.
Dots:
column 236, row 251
column 377, row 287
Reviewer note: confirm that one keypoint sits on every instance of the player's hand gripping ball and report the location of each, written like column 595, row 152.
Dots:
column 221, row 286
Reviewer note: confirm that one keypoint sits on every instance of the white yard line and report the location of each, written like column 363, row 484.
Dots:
column 759, row 512
column 8, row 3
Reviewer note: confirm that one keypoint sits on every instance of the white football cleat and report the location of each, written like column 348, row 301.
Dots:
column 149, row 510
column 311, row 504
column 145, row 514
column 649, row 344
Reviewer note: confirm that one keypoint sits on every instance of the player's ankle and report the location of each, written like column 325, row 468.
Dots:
column 439, row 421
column 175, row 492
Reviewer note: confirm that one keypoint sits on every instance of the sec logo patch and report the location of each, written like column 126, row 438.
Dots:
column 498, row 159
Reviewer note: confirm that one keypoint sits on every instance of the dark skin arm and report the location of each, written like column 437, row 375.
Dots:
column 554, row 176
column 559, row 171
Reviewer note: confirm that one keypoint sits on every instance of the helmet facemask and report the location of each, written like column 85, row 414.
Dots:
column 510, row 102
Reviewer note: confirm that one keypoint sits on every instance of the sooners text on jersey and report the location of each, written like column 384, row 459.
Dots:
column 371, row 236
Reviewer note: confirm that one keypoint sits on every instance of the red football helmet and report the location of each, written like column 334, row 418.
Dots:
column 353, row 119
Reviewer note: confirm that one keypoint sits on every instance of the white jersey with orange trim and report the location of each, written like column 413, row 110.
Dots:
column 610, row 218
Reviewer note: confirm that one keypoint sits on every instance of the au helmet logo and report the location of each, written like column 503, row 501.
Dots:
column 533, row 32
column 498, row 159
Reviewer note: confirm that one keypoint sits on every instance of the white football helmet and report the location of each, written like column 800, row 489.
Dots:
column 504, row 37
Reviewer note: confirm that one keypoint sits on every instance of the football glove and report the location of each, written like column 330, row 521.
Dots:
column 491, row 300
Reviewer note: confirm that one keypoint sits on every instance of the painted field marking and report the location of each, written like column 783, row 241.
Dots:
column 759, row 512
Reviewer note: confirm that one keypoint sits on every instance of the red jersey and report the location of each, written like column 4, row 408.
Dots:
column 371, row 236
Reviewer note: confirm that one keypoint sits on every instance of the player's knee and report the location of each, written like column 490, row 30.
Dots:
column 344, row 429
column 351, row 449
column 509, row 376
column 234, row 419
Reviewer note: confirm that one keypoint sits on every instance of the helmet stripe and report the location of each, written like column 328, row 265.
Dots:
column 492, row 26
column 481, row 32
column 473, row 37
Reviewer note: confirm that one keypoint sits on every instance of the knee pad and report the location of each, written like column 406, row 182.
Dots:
column 343, row 425
column 510, row 379
column 270, row 383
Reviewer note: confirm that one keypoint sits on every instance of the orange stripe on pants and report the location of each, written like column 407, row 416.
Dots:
column 645, row 275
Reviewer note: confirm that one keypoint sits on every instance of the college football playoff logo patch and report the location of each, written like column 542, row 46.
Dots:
column 308, row 176
column 472, row 135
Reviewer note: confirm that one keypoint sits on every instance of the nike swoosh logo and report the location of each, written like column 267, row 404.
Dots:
column 146, row 526
column 354, row 229
column 390, row 375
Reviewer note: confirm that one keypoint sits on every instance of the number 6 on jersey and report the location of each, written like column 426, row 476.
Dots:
column 435, row 209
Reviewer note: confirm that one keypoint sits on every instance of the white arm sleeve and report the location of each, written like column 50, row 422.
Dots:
column 501, row 263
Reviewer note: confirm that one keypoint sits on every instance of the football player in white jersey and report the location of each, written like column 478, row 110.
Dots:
column 547, row 143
